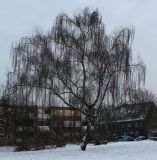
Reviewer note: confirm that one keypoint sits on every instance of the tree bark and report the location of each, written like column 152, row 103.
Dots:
column 85, row 138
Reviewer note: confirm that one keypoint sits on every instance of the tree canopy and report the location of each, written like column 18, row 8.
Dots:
column 76, row 63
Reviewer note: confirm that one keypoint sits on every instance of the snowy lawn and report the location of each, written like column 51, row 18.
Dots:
column 142, row 150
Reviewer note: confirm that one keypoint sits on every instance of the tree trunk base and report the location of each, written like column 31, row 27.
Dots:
column 84, row 143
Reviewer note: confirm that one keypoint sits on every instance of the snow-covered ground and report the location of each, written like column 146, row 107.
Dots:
column 143, row 150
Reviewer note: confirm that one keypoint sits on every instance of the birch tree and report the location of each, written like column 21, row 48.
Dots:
column 79, row 64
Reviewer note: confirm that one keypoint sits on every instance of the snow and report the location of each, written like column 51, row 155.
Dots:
column 141, row 150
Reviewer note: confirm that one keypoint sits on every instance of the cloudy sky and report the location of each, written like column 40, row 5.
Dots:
column 19, row 18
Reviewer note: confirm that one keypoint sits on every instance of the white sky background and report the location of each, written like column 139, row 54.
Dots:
column 20, row 18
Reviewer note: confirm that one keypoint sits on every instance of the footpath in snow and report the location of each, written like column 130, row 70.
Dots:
column 142, row 150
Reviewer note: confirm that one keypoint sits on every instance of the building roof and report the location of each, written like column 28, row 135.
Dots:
column 125, row 112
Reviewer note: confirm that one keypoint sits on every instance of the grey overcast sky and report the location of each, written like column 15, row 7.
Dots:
column 20, row 18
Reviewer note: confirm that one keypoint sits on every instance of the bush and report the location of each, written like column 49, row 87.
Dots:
column 45, row 141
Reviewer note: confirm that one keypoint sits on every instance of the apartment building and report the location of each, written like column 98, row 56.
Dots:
column 27, row 122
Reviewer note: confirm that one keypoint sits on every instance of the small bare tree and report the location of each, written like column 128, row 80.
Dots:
column 143, row 96
column 78, row 64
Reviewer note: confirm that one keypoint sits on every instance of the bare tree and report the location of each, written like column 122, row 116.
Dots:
column 143, row 96
column 1, row 93
column 78, row 64
column 4, row 100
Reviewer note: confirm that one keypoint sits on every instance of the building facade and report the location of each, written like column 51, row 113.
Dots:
column 132, row 120
column 32, row 121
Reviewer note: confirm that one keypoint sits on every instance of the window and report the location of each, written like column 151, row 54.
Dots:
column 77, row 113
column 123, row 126
column 106, row 127
column 71, row 123
column 140, row 124
column 66, row 123
column 67, row 113
column 136, row 124
column 60, row 123
column 130, row 125
column 77, row 124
